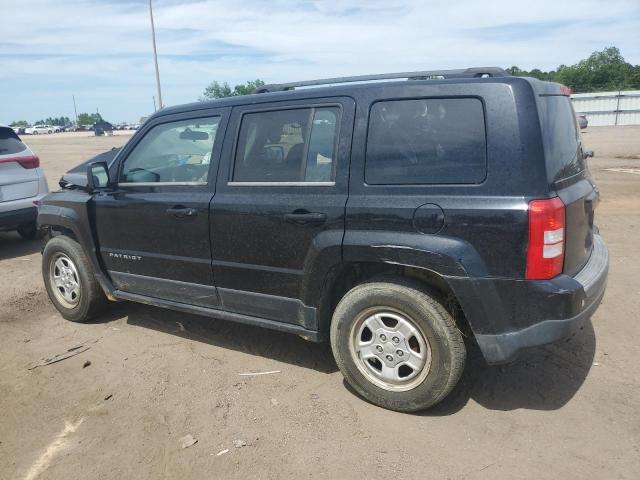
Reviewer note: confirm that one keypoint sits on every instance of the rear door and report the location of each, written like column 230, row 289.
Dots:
column 280, row 200
column 569, row 176
column 154, row 228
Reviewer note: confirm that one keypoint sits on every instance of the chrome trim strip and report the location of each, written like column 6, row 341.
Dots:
column 160, row 184
column 144, row 255
column 251, row 266
column 281, row 184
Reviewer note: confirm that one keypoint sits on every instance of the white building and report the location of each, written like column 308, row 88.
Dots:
column 609, row 108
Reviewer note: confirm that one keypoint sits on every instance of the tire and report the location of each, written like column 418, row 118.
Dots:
column 30, row 231
column 74, row 266
column 423, row 328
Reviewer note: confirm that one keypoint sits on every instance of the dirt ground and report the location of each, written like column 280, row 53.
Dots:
column 562, row 412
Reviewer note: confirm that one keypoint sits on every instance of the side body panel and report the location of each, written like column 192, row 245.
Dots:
column 68, row 210
column 263, row 260
column 149, row 249
column 484, row 231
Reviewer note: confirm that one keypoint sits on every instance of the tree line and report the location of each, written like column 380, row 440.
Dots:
column 602, row 71
column 83, row 119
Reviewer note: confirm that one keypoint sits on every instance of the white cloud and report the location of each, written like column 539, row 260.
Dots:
column 101, row 50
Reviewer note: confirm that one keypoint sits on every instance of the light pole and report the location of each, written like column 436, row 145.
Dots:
column 75, row 110
column 155, row 56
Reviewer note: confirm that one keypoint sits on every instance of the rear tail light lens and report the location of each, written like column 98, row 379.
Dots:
column 565, row 90
column 545, row 251
column 30, row 161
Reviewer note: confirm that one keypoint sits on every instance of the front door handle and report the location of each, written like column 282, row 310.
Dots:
column 304, row 217
column 182, row 212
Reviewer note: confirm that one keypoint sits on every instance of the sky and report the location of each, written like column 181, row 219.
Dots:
column 100, row 51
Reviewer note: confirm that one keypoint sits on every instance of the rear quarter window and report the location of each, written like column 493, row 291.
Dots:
column 9, row 142
column 561, row 136
column 426, row 141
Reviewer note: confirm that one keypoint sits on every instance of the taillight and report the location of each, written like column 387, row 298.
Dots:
column 30, row 161
column 545, row 252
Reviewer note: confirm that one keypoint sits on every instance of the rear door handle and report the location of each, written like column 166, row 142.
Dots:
column 303, row 218
column 182, row 212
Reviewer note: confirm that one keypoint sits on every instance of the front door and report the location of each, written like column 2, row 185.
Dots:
column 154, row 228
column 279, row 202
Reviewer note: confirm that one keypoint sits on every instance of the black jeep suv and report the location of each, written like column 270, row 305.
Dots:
column 401, row 219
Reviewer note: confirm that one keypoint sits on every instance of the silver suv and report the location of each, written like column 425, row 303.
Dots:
column 22, row 184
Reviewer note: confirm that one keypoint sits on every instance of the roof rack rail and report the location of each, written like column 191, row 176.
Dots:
column 475, row 72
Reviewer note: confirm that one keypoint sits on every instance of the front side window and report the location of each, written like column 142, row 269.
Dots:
column 173, row 152
column 287, row 146
column 426, row 141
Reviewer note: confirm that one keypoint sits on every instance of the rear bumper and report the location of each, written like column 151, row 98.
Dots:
column 12, row 219
column 509, row 316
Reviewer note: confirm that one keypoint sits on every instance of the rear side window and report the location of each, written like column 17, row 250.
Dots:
column 287, row 146
column 426, row 141
column 561, row 137
column 9, row 142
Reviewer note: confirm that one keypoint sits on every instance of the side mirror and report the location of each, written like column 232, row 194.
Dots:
column 588, row 153
column 97, row 176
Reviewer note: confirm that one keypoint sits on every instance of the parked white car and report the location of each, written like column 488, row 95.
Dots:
column 22, row 184
column 39, row 129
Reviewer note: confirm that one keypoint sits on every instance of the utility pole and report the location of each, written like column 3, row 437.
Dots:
column 155, row 56
column 154, row 103
column 75, row 110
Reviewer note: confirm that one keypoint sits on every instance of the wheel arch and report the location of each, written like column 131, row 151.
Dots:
column 67, row 213
column 350, row 274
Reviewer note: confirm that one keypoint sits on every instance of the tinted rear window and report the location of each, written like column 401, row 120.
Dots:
column 297, row 145
column 561, row 137
column 9, row 142
column 426, row 141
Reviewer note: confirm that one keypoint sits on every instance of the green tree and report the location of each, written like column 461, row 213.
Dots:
column 60, row 121
column 89, row 118
column 222, row 90
column 605, row 70
column 19, row 123
column 602, row 71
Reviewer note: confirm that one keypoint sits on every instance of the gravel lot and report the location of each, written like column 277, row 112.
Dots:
column 564, row 411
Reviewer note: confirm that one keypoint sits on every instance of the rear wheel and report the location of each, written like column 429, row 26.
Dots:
column 396, row 345
column 69, row 280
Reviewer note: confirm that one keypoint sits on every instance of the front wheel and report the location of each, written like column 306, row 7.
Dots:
column 69, row 280
column 396, row 345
